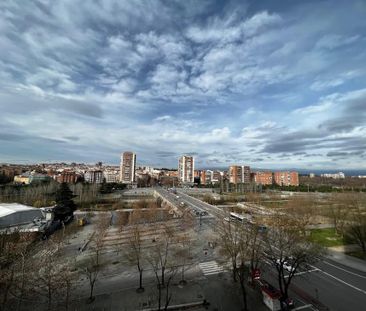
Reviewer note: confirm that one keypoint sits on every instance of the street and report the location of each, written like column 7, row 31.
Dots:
column 336, row 286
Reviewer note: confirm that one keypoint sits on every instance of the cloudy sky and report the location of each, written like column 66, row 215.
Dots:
column 272, row 84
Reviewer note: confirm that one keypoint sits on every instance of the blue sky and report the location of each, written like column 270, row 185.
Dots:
column 271, row 84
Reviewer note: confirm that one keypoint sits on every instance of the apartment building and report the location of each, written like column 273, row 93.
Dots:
column 128, row 168
column 339, row 175
column 216, row 177
column 246, row 174
column 206, row 177
column 239, row 174
column 286, row 178
column 94, row 176
column 111, row 176
column 186, row 169
column 263, row 178
column 67, row 177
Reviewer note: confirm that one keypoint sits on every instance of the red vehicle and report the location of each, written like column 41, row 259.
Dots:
column 272, row 297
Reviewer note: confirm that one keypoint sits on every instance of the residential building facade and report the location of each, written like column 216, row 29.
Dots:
column 263, row 178
column 67, row 177
column 286, row 178
column 128, row 168
column 94, row 176
column 186, row 169
column 239, row 174
column 111, row 176
column 339, row 175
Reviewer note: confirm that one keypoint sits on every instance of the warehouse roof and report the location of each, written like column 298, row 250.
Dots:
column 10, row 208
column 14, row 214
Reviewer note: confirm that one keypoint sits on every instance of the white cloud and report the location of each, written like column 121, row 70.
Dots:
column 103, row 72
column 332, row 41
column 315, row 109
column 163, row 118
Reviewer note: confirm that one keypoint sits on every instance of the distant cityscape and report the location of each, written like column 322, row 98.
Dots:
column 129, row 173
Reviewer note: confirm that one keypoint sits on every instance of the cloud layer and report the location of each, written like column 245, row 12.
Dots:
column 270, row 85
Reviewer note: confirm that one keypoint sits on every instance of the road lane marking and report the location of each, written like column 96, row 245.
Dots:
column 345, row 270
column 343, row 282
column 304, row 272
column 304, row 307
column 210, row 267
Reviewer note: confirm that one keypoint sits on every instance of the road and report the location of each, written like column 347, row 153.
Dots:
column 336, row 286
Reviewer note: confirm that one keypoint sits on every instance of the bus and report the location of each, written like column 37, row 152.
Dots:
column 240, row 217
column 245, row 219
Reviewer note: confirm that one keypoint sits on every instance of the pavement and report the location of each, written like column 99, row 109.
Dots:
column 128, row 299
column 217, row 289
column 338, row 255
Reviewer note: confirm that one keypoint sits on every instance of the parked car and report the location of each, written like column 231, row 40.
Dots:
column 286, row 265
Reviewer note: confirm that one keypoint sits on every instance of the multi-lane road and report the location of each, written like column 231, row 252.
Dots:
column 327, row 284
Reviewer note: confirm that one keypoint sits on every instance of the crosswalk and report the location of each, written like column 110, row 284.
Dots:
column 211, row 267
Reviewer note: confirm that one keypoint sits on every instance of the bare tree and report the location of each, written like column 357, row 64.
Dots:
column 15, row 265
column 355, row 228
column 285, row 244
column 229, row 233
column 161, row 259
column 302, row 208
column 168, row 294
column 67, row 282
column 240, row 243
column 91, row 269
column 135, row 254
column 92, row 265
column 7, row 279
column 46, row 276
column 183, row 253
column 339, row 210
column 23, row 267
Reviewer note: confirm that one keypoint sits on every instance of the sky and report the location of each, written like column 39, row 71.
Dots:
column 270, row 84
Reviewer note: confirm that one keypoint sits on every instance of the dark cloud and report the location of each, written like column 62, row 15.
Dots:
column 280, row 146
column 344, row 154
column 337, row 154
column 165, row 154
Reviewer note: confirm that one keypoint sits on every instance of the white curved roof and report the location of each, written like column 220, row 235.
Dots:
column 10, row 208
column 12, row 214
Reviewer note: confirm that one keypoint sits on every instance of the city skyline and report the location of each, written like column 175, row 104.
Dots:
column 269, row 85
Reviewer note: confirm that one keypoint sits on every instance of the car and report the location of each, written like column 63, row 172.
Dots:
column 286, row 265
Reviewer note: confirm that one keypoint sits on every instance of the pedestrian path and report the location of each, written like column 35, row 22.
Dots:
column 211, row 267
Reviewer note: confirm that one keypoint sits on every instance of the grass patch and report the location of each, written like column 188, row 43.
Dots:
column 326, row 237
column 357, row 254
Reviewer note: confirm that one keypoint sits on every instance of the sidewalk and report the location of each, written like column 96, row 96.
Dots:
column 338, row 255
column 218, row 290
column 130, row 300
